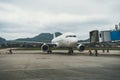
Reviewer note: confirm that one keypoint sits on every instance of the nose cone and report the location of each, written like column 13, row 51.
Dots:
column 74, row 41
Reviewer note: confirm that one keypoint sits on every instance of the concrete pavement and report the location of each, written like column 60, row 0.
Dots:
column 35, row 65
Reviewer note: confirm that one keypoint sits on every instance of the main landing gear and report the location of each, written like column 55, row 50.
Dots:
column 49, row 51
column 70, row 51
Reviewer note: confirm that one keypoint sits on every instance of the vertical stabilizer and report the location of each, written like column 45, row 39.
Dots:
column 54, row 36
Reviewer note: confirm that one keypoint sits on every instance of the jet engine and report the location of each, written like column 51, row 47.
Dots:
column 45, row 47
column 81, row 47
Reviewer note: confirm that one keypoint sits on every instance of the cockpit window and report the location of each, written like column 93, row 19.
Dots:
column 70, row 36
column 74, row 35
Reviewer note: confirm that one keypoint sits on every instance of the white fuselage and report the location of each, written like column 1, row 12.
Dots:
column 66, row 40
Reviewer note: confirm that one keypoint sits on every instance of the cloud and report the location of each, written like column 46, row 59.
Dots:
column 32, row 17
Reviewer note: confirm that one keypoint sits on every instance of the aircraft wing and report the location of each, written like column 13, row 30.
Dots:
column 34, row 43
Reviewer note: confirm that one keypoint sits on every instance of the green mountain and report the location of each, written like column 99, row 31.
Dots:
column 2, row 40
column 43, row 37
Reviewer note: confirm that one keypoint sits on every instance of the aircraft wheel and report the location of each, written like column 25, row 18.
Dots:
column 70, row 51
column 49, row 52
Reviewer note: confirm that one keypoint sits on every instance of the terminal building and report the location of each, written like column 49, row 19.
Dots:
column 111, row 37
column 106, row 35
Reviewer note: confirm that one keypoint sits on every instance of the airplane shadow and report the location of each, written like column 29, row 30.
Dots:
column 84, row 54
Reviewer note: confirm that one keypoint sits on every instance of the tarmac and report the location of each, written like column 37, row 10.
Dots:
column 36, row 65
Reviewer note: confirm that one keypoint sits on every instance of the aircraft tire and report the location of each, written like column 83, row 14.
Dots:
column 70, row 52
column 49, row 52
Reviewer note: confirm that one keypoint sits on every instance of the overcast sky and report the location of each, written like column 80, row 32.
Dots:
column 27, row 18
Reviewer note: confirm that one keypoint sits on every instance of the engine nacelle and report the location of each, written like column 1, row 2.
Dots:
column 81, row 47
column 45, row 47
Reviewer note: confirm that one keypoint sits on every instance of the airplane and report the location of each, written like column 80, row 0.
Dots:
column 67, row 40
